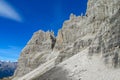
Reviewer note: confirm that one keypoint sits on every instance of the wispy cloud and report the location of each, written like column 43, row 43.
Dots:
column 7, row 11
column 11, row 53
column 7, row 59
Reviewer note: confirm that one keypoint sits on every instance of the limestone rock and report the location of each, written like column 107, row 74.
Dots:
column 86, row 48
column 36, row 52
column 107, row 41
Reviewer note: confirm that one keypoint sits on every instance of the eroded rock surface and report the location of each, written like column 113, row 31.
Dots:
column 93, row 39
column 36, row 52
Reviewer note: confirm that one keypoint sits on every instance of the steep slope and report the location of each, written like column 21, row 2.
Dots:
column 86, row 48
column 36, row 52
column 81, row 67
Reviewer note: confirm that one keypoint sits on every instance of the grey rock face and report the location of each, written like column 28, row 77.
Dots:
column 36, row 52
column 107, row 41
column 98, row 32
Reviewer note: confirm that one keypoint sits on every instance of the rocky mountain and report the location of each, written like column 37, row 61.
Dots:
column 86, row 48
column 7, row 69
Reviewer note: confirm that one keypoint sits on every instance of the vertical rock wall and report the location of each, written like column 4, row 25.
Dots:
column 98, row 30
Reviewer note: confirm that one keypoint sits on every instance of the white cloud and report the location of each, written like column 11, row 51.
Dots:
column 7, row 11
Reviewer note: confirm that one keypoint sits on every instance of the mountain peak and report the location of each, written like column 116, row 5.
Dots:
column 86, row 48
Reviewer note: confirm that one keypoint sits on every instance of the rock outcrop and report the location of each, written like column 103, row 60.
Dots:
column 86, row 48
column 36, row 52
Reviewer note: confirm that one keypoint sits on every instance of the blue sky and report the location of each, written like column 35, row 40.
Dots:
column 19, row 19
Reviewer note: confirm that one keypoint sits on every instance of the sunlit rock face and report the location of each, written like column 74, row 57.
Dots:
column 35, row 52
column 107, row 41
column 101, row 9
column 86, row 48
column 100, row 27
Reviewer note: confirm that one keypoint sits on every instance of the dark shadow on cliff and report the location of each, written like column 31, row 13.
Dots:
column 57, row 73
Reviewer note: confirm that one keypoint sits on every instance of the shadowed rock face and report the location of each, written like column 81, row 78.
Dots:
column 98, row 32
column 53, row 75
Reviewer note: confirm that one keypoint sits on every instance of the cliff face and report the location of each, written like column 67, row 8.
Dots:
column 36, row 52
column 107, row 40
column 85, row 46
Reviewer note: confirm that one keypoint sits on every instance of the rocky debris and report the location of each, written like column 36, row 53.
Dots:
column 81, row 67
column 86, row 48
